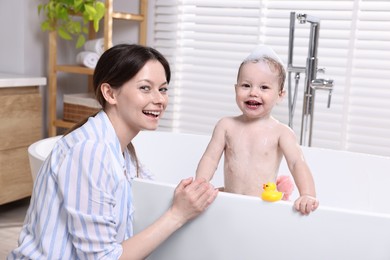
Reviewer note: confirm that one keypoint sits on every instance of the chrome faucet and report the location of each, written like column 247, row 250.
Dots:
column 311, row 83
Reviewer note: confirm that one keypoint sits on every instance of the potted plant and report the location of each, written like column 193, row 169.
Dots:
column 70, row 18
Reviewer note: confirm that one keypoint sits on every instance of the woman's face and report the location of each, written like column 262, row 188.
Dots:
column 142, row 100
column 257, row 90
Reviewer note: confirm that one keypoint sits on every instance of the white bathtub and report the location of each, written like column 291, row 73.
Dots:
column 352, row 222
column 37, row 153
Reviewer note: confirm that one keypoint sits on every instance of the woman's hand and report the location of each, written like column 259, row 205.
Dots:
column 191, row 198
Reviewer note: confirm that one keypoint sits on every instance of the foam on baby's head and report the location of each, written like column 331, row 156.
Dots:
column 268, row 55
column 261, row 52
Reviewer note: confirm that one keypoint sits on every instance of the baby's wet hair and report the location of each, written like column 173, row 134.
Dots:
column 264, row 53
column 274, row 65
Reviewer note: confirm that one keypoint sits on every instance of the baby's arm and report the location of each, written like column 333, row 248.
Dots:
column 307, row 202
column 209, row 162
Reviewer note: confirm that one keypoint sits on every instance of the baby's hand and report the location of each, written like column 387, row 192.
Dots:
column 306, row 204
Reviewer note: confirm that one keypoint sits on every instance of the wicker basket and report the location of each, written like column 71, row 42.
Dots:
column 79, row 106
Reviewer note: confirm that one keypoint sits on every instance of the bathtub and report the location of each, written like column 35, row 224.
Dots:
column 352, row 222
column 37, row 153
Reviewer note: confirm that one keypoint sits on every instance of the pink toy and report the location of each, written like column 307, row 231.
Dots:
column 285, row 184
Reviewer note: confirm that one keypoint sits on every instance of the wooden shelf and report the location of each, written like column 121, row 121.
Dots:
column 75, row 69
column 54, row 68
column 63, row 123
column 127, row 16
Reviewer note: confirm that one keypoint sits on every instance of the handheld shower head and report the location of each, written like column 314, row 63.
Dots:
column 303, row 18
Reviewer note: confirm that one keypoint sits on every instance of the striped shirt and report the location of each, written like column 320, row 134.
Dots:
column 81, row 206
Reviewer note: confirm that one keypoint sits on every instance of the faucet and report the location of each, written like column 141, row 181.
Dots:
column 311, row 83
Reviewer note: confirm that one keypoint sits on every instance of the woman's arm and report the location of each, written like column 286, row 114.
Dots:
column 90, row 212
column 191, row 198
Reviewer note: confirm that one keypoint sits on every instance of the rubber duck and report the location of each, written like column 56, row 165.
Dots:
column 270, row 192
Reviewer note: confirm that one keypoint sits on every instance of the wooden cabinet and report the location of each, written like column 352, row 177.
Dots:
column 54, row 67
column 21, row 125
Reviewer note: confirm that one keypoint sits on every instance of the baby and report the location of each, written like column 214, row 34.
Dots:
column 254, row 142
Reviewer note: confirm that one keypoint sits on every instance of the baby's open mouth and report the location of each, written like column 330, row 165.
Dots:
column 253, row 103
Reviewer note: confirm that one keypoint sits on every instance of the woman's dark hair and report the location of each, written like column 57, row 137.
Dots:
column 118, row 65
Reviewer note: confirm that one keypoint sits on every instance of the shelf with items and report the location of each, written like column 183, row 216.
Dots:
column 54, row 67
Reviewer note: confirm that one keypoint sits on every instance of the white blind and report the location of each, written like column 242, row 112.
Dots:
column 205, row 42
column 368, row 128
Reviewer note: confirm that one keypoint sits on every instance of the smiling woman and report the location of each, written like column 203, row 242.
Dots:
column 87, row 176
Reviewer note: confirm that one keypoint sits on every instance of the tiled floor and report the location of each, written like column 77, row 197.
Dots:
column 11, row 220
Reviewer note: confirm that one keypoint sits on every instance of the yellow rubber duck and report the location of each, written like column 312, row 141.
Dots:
column 270, row 192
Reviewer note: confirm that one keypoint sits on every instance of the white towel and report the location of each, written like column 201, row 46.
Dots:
column 87, row 58
column 95, row 45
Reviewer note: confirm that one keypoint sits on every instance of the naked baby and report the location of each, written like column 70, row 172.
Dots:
column 254, row 143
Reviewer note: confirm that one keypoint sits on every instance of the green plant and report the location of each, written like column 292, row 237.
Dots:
column 71, row 18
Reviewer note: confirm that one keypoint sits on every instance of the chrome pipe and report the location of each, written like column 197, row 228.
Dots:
column 291, row 40
column 292, row 69
column 311, row 83
column 311, row 74
column 289, row 68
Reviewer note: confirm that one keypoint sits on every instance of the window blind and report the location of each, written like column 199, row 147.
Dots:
column 368, row 128
column 205, row 42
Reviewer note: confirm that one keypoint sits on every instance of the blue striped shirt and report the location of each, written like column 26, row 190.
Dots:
column 81, row 206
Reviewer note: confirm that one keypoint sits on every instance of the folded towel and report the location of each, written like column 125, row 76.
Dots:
column 95, row 45
column 87, row 58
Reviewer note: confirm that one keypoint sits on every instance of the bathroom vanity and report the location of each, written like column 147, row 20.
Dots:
column 20, row 126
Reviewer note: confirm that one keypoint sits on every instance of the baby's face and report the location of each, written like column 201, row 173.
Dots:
column 257, row 89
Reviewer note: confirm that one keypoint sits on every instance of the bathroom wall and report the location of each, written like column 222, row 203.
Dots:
column 24, row 47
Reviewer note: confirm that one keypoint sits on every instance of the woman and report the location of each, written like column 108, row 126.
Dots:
column 82, row 207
